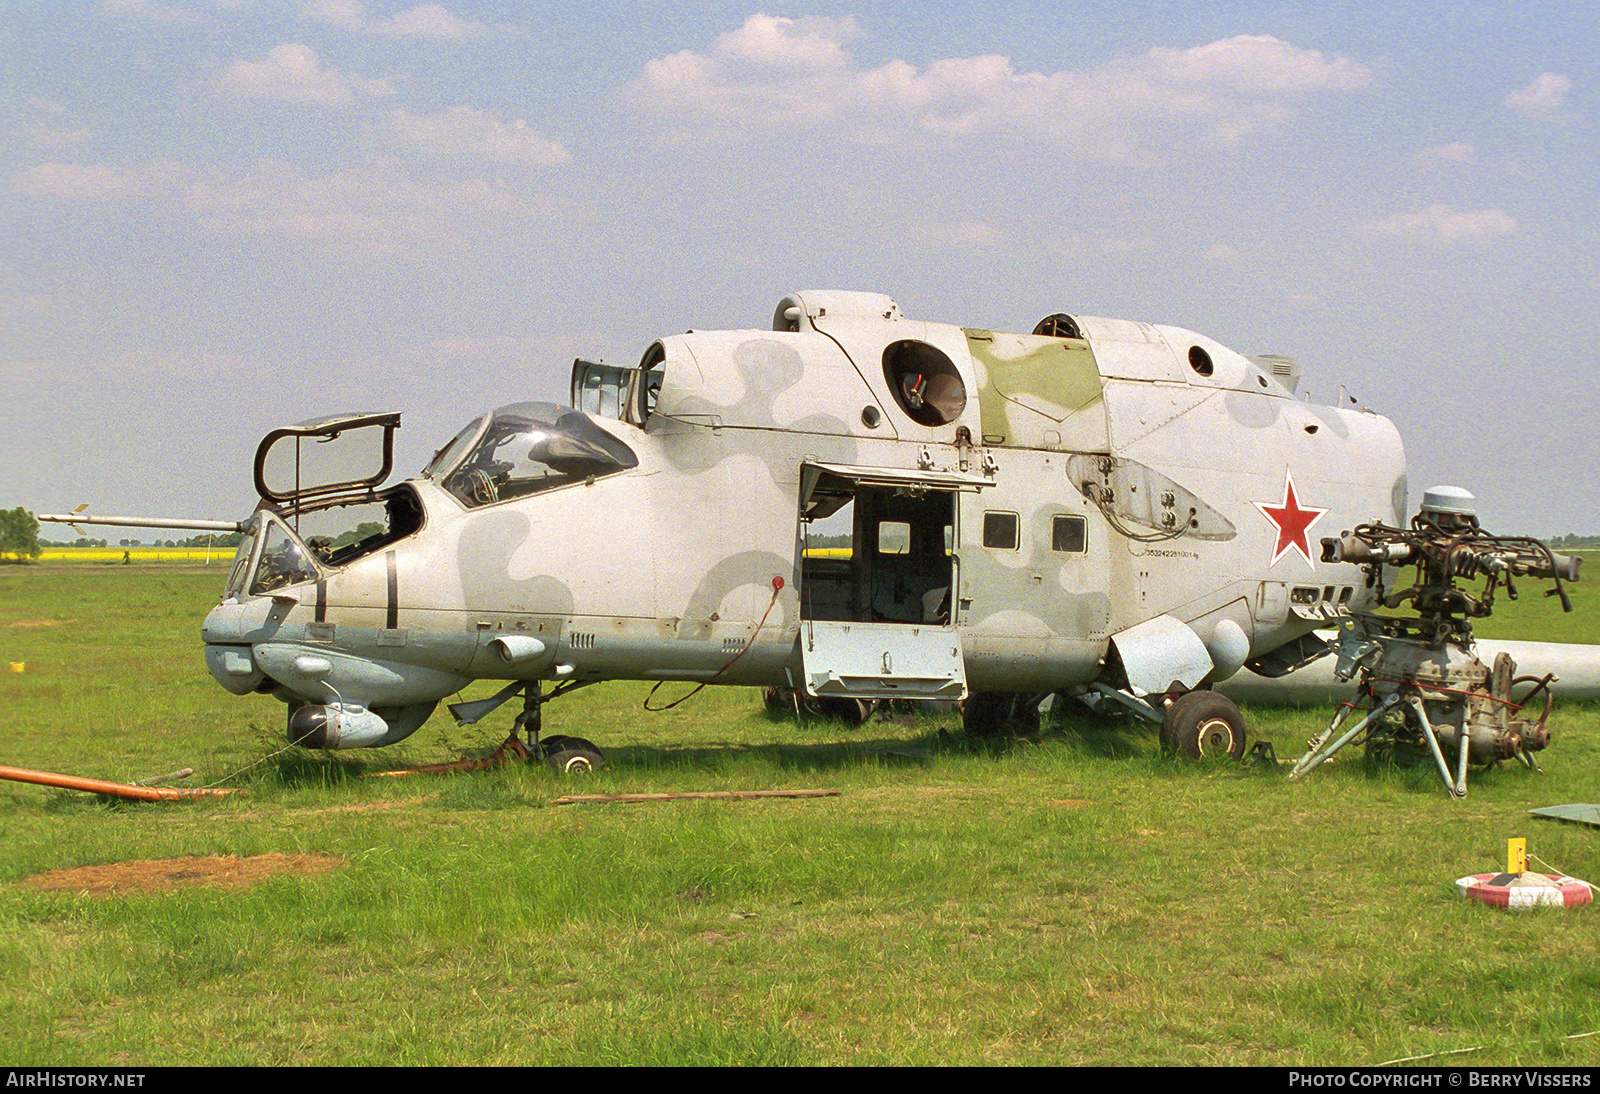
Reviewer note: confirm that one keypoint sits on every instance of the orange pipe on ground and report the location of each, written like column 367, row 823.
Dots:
column 100, row 786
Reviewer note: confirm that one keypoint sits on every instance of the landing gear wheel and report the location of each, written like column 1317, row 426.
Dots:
column 778, row 700
column 990, row 713
column 852, row 712
column 571, row 755
column 1199, row 724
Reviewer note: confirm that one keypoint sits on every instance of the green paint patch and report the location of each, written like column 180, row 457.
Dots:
column 1030, row 379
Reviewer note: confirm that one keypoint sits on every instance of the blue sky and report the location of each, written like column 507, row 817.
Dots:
column 222, row 217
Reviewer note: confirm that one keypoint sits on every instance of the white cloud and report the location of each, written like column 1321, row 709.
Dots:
column 1223, row 255
column 55, row 139
column 429, row 21
column 344, row 14
column 86, row 182
column 774, row 76
column 54, row 133
column 1542, row 98
column 422, row 21
column 466, row 133
column 505, row 347
column 375, row 207
column 1454, row 154
column 771, row 44
column 14, row 305
column 177, row 368
column 962, row 235
column 149, row 9
column 291, row 73
column 1442, row 222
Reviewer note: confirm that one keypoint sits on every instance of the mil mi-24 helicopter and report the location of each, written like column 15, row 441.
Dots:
column 852, row 504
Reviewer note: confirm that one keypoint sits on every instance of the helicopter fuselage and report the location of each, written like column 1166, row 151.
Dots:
column 853, row 504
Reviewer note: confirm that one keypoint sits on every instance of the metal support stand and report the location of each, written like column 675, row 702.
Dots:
column 1311, row 759
column 1455, row 788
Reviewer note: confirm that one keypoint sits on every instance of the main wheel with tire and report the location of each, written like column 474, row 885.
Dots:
column 1198, row 724
column 852, row 712
column 991, row 713
column 571, row 755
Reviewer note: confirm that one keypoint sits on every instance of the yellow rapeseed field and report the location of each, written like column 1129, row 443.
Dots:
column 135, row 554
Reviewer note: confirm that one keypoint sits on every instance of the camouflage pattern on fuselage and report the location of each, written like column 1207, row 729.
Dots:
column 1018, row 500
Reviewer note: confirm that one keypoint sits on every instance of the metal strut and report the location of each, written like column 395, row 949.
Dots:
column 531, row 720
column 1311, row 759
column 529, row 723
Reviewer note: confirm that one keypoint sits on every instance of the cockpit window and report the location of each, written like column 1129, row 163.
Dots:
column 527, row 448
column 652, row 372
column 328, row 455
column 279, row 548
column 241, row 561
column 451, row 453
column 283, row 561
column 345, row 529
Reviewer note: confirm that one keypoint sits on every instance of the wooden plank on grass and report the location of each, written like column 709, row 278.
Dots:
column 714, row 795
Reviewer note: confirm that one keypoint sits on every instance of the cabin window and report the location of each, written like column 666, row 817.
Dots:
column 1000, row 531
column 1069, row 535
column 448, row 456
column 894, row 537
column 925, row 382
column 352, row 528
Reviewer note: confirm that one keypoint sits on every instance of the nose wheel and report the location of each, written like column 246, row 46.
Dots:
column 570, row 755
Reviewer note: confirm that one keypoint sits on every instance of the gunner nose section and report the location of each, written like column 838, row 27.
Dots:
column 234, row 667
column 228, row 631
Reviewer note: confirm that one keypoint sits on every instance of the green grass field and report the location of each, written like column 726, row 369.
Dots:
column 1075, row 899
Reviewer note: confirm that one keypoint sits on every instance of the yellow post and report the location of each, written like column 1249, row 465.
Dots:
column 1516, row 856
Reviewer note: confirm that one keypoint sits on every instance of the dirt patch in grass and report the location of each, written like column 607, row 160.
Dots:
column 166, row 874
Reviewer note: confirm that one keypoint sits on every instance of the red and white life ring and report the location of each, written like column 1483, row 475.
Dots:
column 1526, row 890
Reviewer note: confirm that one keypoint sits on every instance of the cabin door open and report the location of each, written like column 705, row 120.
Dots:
column 878, row 577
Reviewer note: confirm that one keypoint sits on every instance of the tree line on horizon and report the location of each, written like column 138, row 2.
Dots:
column 20, row 542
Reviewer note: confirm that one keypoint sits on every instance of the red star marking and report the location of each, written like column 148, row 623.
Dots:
column 1292, row 520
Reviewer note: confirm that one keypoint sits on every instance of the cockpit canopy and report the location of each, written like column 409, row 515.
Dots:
column 523, row 449
column 330, row 455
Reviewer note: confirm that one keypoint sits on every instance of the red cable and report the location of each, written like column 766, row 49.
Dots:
column 777, row 587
